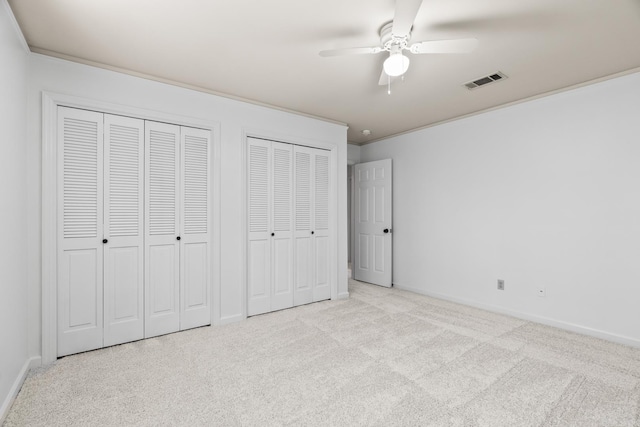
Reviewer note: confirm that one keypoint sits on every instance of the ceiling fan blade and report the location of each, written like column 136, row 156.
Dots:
column 445, row 46
column 351, row 51
column 406, row 12
column 384, row 79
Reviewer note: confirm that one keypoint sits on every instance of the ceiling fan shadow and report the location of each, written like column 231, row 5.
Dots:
column 521, row 21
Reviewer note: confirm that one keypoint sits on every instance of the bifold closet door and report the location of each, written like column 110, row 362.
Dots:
column 311, row 249
column 80, row 230
column 282, row 221
column 162, row 258
column 303, row 243
column 195, row 244
column 123, row 229
column 320, row 255
column 270, row 269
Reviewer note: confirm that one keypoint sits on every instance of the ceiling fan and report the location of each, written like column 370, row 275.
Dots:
column 394, row 38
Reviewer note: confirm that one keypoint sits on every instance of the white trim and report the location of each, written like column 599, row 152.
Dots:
column 333, row 202
column 49, row 222
column 572, row 327
column 16, row 28
column 502, row 106
column 216, row 197
column 35, row 362
column 17, row 385
column 70, row 58
column 50, row 103
column 233, row 319
column 244, row 213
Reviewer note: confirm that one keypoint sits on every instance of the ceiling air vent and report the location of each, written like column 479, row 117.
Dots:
column 485, row 80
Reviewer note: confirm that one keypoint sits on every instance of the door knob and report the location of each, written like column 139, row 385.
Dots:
column 273, row 234
column 178, row 238
column 105, row 241
column 312, row 232
column 386, row 230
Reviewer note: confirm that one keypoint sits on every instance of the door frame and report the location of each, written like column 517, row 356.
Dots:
column 50, row 103
column 330, row 146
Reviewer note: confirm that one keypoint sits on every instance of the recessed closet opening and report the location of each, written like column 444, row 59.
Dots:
column 289, row 225
column 129, row 242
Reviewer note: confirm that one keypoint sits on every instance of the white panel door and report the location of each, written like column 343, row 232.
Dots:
column 281, row 226
column 80, row 231
column 311, row 225
column 320, row 231
column 123, row 229
column 259, row 233
column 162, row 260
column 195, row 243
column 373, row 222
column 303, row 212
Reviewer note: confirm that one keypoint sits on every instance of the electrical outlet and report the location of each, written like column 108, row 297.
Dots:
column 500, row 285
column 542, row 292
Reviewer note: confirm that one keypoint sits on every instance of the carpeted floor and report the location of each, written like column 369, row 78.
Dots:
column 384, row 357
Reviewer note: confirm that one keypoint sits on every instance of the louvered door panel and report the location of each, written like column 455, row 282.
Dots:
column 282, row 239
column 321, row 284
column 258, row 187
column 123, row 254
column 303, row 286
column 162, row 261
column 303, row 189
column 259, row 219
column 195, row 243
column 80, row 185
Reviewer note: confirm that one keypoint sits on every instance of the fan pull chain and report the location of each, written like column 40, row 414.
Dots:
column 388, row 84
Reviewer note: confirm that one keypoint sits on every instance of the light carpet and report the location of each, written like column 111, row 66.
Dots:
column 383, row 357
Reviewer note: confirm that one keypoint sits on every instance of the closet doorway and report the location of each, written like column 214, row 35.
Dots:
column 289, row 225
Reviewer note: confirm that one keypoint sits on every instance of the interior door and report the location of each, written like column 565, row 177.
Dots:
column 320, row 231
column 303, row 243
column 373, row 222
column 259, row 244
column 281, row 226
column 162, row 261
column 80, row 231
column 123, row 229
column 195, row 244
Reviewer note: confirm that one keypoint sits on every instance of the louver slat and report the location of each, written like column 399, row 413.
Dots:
column 258, row 188
column 195, row 184
column 303, row 191
column 80, row 178
column 322, row 192
column 124, row 181
column 162, row 184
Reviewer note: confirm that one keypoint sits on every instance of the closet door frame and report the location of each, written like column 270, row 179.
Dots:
column 332, row 149
column 50, row 195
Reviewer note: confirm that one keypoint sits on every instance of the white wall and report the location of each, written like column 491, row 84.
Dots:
column 13, row 208
column 543, row 194
column 353, row 157
column 234, row 117
column 353, row 153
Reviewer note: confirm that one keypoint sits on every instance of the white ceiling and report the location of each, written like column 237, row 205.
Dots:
column 267, row 51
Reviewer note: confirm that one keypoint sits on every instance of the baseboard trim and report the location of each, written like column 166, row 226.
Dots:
column 17, row 385
column 231, row 319
column 35, row 362
column 620, row 339
column 343, row 295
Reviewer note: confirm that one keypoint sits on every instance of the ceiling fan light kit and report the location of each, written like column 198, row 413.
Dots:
column 394, row 38
column 396, row 64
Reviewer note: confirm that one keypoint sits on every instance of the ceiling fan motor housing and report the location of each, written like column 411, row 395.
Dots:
column 390, row 41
